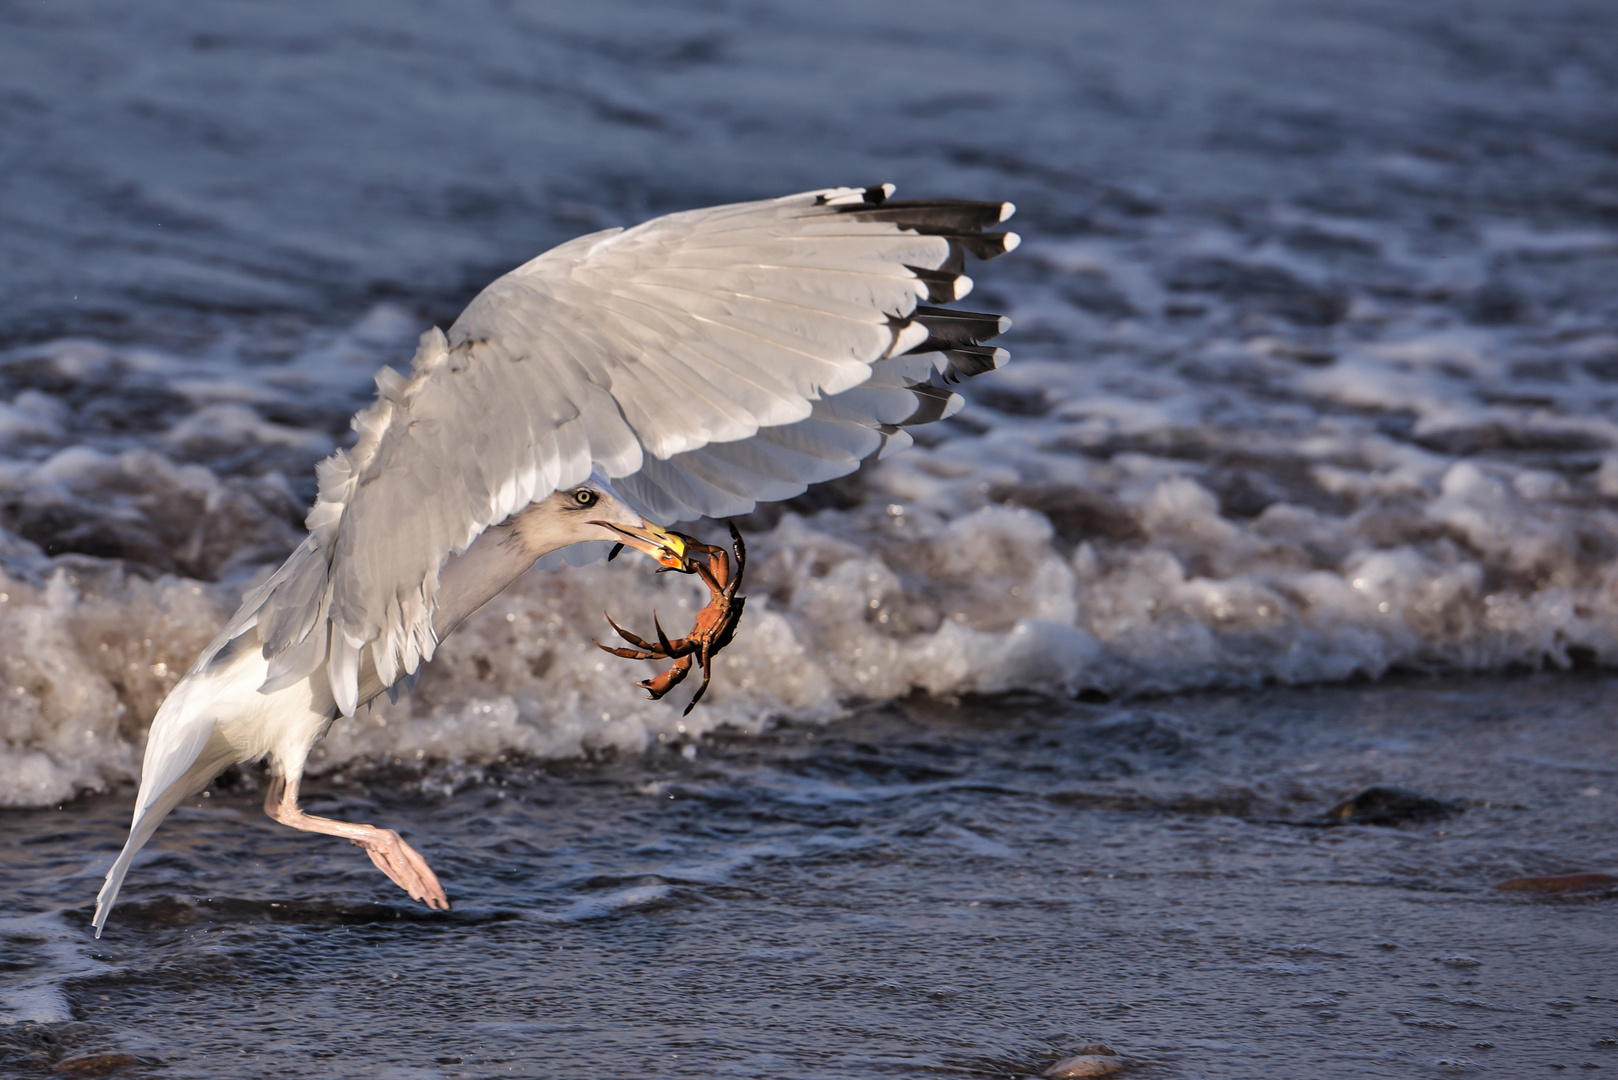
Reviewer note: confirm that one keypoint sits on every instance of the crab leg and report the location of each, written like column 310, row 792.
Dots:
column 670, row 649
column 707, row 674
column 626, row 635
column 631, row 654
column 708, row 578
column 664, row 650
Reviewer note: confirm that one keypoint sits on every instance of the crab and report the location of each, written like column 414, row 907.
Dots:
column 715, row 625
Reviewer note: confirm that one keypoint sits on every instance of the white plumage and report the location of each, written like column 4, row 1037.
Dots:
column 691, row 366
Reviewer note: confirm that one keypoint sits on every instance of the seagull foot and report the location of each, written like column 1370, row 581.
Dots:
column 404, row 867
column 395, row 858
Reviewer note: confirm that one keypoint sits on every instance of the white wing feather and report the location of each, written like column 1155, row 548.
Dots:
column 704, row 361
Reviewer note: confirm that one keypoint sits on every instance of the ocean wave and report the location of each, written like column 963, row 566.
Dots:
column 1213, row 463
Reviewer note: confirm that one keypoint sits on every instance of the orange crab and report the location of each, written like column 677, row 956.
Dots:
column 715, row 625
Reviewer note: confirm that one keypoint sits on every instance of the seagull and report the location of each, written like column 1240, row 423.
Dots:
column 692, row 366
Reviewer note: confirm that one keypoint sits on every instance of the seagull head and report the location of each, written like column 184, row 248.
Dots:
column 594, row 511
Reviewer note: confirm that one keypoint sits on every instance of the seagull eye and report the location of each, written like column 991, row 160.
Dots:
column 584, row 497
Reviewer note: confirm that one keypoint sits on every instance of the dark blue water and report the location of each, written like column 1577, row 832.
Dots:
column 165, row 164
column 913, row 891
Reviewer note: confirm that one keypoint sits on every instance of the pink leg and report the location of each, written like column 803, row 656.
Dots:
column 391, row 855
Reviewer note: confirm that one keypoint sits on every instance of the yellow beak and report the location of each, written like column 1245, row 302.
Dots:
column 666, row 547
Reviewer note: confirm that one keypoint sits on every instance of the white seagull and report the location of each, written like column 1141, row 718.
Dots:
column 692, row 366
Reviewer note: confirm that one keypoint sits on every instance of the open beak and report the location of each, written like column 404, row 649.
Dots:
column 662, row 545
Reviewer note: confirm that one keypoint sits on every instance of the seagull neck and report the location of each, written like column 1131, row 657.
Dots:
column 478, row 574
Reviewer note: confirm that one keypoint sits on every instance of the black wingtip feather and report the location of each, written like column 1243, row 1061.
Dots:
column 932, row 216
column 960, row 221
column 941, row 287
column 948, row 328
column 985, row 245
column 959, row 336
column 969, row 360
column 932, row 403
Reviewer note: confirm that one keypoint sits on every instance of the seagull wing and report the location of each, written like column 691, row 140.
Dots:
column 704, row 361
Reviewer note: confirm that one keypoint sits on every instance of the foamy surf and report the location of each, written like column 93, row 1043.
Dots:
column 1213, row 464
column 1133, row 580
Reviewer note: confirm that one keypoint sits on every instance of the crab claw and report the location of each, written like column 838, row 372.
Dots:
column 667, row 548
column 664, row 681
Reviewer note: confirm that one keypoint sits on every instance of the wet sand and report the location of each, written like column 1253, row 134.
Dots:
column 919, row 889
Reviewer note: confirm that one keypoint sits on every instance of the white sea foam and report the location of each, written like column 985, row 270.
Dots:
column 1197, row 472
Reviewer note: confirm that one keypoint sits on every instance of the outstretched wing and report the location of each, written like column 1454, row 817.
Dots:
column 704, row 361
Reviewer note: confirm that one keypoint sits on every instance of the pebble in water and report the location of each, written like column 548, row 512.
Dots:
column 1093, row 1060
column 1382, row 805
column 1459, row 960
column 1561, row 883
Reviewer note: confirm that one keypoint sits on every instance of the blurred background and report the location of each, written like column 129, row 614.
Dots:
column 312, row 160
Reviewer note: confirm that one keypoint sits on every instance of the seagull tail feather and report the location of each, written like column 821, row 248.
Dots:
column 181, row 758
column 140, row 830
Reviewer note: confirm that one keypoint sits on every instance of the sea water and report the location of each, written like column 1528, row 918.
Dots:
column 1315, row 360
column 909, row 890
